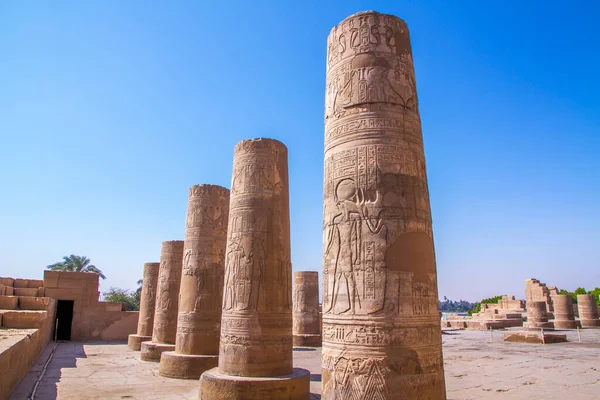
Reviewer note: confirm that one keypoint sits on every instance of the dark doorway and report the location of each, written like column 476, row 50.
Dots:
column 64, row 319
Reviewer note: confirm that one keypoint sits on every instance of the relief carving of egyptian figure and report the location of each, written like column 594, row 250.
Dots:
column 235, row 256
column 343, row 249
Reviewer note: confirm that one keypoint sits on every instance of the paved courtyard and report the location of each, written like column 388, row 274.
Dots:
column 475, row 369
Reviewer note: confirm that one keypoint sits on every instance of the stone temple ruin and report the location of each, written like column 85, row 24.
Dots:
column 63, row 303
column 220, row 307
column 544, row 308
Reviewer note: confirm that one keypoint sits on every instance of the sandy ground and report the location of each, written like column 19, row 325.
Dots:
column 475, row 369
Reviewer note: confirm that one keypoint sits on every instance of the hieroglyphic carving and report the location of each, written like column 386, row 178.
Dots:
column 379, row 263
column 257, row 284
column 148, row 299
column 167, row 292
column 203, row 269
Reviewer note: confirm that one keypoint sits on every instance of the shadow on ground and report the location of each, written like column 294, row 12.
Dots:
column 65, row 356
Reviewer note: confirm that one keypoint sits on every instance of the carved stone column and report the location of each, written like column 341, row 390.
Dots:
column 381, row 326
column 167, row 296
column 537, row 316
column 147, row 301
column 564, row 314
column 307, row 325
column 588, row 310
column 201, row 292
column 255, row 353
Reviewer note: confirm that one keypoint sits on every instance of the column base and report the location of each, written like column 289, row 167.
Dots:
column 535, row 326
column 151, row 351
column 590, row 323
column 185, row 366
column 217, row 386
column 565, row 324
column 307, row 340
column 134, row 342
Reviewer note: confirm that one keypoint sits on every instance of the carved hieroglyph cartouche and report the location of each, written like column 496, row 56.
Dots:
column 381, row 325
column 167, row 292
column 147, row 299
column 256, row 325
column 201, row 292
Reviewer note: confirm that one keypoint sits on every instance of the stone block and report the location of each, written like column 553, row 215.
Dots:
column 33, row 303
column 21, row 319
column 7, row 281
column 218, row 386
column 134, row 342
column 185, row 366
column 534, row 337
column 26, row 292
column 151, row 351
column 9, row 302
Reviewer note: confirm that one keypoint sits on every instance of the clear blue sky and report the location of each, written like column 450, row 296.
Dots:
column 111, row 110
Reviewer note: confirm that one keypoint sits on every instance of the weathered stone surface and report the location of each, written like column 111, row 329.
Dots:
column 534, row 337
column 201, row 292
column 151, row 351
column 306, row 322
column 381, row 324
column 537, row 316
column 588, row 310
column 218, row 386
column 147, row 303
column 164, row 329
column 134, row 342
column 564, row 315
column 538, row 291
column 255, row 352
column 9, row 302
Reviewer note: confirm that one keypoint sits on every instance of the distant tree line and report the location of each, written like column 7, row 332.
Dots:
column 477, row 306
column 455, row 306
column 580, row 290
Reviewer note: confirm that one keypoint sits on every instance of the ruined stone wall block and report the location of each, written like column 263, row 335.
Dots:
column 201, row 291
column 7, row 282
column 564, row 315
column 164, row 330
column 381, row 323
column 588, row 310
column 306, row 321
column 9, row 302
column 538, row 291
column 255, row 352
column 147, row 303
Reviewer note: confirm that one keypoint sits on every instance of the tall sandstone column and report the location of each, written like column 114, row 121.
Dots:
column 381, row 324
column 147, row 301
column 201, row 292
column 307, row 325
column 167, row 295
column 255, row 353
column 588, row 310
column 564, row 314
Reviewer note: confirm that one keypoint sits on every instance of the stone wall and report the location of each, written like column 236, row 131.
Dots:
column 19, row 348
column 92, row 319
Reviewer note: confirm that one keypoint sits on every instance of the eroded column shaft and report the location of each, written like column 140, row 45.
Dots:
column 381, row 328
column 307, row 325
column 199, row 319
column 167, row 292
column 256, row 327
column 148, row 299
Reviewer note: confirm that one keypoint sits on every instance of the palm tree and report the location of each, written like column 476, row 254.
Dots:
column 139, row 289
column 75, row 263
